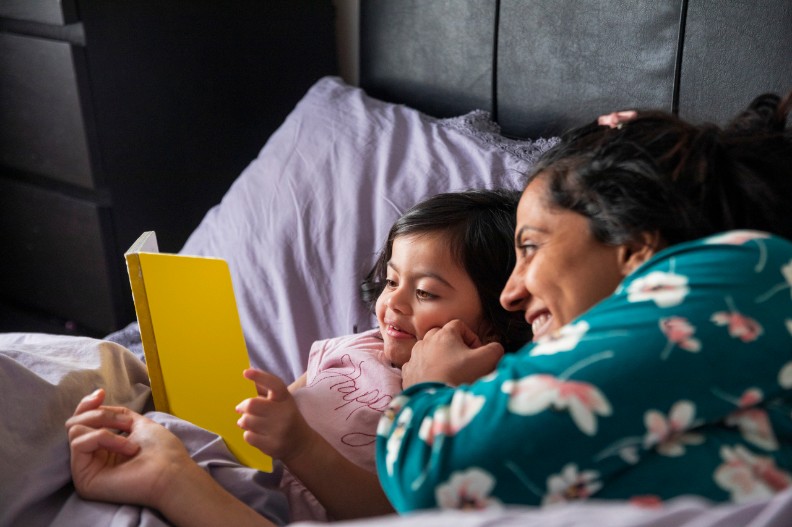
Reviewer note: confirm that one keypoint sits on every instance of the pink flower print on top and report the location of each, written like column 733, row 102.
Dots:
column 535, row 393
column 448, row 420
column 753, row 423
column 748, row 476
column 680, row 332
column 470, row 489
column 669, row 436
column 755, row 427
column 665, row 289
column 741, row 238
column 570, row 485
column 737, row 237
column 750, row 397
column 740, row 326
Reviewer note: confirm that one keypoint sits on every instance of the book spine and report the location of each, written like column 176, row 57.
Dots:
column 147, row 332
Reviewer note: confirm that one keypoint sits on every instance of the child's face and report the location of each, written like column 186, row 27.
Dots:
column 425, row 289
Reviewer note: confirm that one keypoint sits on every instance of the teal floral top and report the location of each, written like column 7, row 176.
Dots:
column 678, row 383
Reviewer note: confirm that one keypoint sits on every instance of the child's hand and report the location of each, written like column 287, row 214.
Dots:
column 272, row 421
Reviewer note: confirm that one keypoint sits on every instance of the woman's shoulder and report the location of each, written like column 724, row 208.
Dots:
column 749, row 240
column 742, row 238
column 736, row 251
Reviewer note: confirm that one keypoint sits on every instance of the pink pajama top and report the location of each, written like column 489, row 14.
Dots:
column 349, row 385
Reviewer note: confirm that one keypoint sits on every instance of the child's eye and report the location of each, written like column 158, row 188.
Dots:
column 390, row 284
column 424, row 295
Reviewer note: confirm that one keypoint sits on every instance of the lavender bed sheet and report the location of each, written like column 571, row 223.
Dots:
column 42, row 377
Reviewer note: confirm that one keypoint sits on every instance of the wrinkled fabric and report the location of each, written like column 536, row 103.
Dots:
column 42, row 378
column 685, row 511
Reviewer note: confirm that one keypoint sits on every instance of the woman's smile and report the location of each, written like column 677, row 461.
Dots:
column 541, row 323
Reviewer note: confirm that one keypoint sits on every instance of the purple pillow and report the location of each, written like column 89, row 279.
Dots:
column 302, row 224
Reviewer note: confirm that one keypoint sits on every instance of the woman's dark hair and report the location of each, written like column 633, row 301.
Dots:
column 659, row 173
column 479, row 228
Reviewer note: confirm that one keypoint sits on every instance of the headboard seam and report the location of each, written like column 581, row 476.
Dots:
column 678, row 60
column 495, row 35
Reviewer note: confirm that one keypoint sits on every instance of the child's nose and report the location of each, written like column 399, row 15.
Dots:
column 397, row 301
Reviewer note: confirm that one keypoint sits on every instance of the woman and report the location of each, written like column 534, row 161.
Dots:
column 661, row 361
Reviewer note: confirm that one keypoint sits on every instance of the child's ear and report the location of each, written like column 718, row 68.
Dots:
column 636, row 252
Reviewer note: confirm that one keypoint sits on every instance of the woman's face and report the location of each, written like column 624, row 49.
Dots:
column 426, row 288
column 561, row 269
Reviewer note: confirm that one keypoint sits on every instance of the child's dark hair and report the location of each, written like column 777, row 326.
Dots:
column 479, row 226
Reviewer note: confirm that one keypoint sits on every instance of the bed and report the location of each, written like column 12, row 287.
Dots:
column 452, row 94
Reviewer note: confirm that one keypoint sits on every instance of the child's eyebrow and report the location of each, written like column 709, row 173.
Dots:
column 423, row 274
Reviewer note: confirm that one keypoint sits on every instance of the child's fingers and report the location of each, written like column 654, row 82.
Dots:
column 267, row 384
column 252, row 422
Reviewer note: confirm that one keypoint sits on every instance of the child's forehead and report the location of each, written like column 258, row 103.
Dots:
column 423, row 250
column 435, row 240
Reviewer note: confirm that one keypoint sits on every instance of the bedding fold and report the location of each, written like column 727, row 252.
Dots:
column 42, row 378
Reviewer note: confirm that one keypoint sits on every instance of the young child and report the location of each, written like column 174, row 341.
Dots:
column 436, row 266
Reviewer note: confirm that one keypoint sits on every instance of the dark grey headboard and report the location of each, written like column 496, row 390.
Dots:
column 541, row 66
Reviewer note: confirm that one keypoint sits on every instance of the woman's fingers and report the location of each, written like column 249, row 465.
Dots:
column 453, row 354
column 114, row 417
column 87, row 441
column 468, row 336
column 90, row 401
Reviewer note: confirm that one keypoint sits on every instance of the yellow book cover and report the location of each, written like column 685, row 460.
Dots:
column 193, row 341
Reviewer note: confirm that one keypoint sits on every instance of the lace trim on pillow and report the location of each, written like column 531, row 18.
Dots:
column 479, row 125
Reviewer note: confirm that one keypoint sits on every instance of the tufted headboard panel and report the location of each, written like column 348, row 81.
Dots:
column 542, row 66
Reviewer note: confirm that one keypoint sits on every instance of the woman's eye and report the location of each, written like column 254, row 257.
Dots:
column 526, row 249
column 390, row 283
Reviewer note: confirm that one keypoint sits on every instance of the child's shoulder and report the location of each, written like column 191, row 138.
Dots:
column 365, row 340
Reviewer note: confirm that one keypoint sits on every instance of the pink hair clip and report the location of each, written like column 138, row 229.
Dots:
column 617, row 119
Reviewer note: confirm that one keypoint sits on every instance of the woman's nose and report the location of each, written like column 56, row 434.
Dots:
column 514, row 294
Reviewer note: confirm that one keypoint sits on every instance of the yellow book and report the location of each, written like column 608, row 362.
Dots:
column 193, row 341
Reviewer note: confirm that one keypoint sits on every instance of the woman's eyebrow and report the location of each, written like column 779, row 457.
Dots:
column 524, row 228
